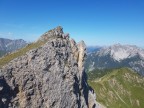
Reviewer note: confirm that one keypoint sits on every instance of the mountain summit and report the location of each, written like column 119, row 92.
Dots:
column 8, row 45
column 49, row 76
column 120, row 52
column 117, row 56
column 11, row 45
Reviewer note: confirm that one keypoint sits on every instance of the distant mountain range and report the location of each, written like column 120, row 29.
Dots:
column 116, row 56
column 8, row 45
column 91, row 49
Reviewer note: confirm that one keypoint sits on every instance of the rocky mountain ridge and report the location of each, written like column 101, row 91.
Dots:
column 120, row 52
column 51, row 76
column 8, row 45
column 91, row 49
column 117, row 56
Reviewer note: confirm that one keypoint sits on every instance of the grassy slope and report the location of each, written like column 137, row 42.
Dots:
column 121, row 88
column 20, row 52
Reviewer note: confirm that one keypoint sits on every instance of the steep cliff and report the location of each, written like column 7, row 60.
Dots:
column 51, row 76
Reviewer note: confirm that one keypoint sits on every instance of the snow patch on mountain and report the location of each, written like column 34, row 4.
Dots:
column 120, row 52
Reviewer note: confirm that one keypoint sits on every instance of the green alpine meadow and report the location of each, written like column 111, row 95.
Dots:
column 118, row 88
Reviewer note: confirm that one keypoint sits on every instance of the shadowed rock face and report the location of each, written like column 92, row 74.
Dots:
column 51, row 76
column 6, row 93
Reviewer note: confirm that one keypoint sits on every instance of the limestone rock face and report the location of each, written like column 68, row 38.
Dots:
column 55, row 33
column 51, row 76
column 82, row 54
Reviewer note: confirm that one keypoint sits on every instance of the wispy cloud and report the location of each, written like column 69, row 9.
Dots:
column 8, row 35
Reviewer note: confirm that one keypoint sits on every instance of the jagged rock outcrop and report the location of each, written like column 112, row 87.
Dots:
column 51, row 76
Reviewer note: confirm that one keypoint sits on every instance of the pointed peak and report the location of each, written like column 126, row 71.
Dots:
column 58, row 29
column 54, row 33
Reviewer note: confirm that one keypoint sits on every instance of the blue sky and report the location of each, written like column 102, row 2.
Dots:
column 97, row 22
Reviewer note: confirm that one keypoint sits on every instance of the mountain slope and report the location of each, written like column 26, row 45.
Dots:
column 7, row 45
column 50, row 75
column 117, row 56
column 2, row 53
column 7, row 58
column 120, row 88
column 120, row 52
